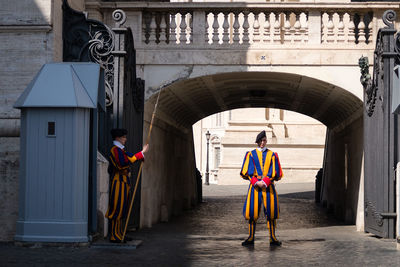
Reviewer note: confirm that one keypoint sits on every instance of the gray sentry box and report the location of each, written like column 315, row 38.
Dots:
column 58, row 130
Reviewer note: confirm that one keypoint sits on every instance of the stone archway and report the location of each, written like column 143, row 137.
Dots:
column 184, row 102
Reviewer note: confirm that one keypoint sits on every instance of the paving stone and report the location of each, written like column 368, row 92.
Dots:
column 211, row 235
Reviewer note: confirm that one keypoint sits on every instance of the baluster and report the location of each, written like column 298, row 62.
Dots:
column 277, row 28
column 267, row 28
column 236, row 27
column 207, row 36
column 215, row 26
column 330, row 32
column 163, row 29
column 370, row 27
column 153, row 28
column 323, row 29
column 361, row 30
column 351, row 38
column 246, row 26
column 172, row 36
column 256, row 27
column 225, row 26
column 304, row 28
column 183, row 26
column 297, row 28
column 146, row 28
column 189, row 28
column 340, row 27
column 287, row 27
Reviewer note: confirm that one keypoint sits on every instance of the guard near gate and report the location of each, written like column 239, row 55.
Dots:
column 261, row 167
column 120, row 182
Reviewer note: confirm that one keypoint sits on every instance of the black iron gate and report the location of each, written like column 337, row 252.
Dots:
column 87, row 40
column 133, row 116
column 380, row 135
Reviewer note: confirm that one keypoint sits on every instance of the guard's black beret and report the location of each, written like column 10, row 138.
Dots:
column 117, row 132
column 260, row 136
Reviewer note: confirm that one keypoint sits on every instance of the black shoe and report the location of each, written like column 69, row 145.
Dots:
column 275, row 243
column 248, row 243
column 127, row 238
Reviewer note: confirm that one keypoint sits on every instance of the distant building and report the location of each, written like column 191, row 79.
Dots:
column 299, row 140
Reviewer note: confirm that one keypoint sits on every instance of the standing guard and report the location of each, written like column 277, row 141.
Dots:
column 120, row 182
column 261, row 167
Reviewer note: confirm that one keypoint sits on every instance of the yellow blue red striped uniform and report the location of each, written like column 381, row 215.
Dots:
column 120, row 185
column 256, row 165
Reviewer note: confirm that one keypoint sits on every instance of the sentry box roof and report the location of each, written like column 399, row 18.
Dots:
column 64, row 85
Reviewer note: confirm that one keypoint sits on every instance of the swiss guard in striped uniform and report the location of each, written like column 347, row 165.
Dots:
column 120, row 183
column 261, row 167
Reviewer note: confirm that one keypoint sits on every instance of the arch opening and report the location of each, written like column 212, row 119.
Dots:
column 187, row 101
column 190, row 100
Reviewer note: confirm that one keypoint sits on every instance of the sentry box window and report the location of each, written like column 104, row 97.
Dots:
column 51, row 128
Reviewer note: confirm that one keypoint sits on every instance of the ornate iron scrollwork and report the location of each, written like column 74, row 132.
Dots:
column 389, row 17
column 119, row 17
column 371, row 85
column 370, row 209
column 90, row 40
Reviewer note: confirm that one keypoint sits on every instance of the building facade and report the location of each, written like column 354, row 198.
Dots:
column 299, row 140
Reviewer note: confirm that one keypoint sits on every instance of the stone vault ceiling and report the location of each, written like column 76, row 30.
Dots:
column 188, row 101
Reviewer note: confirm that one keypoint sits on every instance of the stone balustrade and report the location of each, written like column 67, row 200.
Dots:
column 203, row 33
column 263, row 26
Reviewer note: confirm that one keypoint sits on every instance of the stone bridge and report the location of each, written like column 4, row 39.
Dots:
column 205, row 58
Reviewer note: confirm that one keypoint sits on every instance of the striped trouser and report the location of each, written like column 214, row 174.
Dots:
column 117, row 208
column 257, row 197
column 267, row 197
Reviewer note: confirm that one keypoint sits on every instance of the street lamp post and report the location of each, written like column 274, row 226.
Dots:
column 207, row 173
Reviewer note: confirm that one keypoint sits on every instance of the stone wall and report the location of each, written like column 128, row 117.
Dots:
column 9, row 164
column 342, row 191
column 169, row 177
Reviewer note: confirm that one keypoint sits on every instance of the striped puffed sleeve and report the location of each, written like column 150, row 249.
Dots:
column 245, row 166
column 134, row 157
column 277, row 173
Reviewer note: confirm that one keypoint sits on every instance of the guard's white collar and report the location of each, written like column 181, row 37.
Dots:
column 262, row 149
column 118, row 144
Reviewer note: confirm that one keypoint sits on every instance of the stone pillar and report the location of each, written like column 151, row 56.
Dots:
column 199, row 27
column 314, row 27
column 93, row 10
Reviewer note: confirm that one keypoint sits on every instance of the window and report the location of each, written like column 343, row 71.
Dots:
column 218, row 119
column 51, row 128
column 217, row 157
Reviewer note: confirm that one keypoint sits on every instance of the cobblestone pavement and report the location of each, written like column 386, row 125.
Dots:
column 211, row 235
